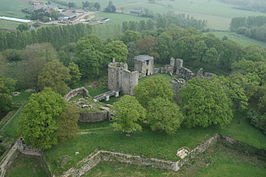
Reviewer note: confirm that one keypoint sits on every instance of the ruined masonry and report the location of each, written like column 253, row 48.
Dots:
column 144, row 64
column 121, row 79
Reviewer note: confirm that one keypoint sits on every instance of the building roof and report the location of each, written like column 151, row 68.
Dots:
column 143, row 58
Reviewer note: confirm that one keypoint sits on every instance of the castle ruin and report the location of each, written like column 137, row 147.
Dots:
column 144, row 64
column 120, row 79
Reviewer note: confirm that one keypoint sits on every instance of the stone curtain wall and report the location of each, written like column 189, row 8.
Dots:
column 11, row 155
column 92, row 160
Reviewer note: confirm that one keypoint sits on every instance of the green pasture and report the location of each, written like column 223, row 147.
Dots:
column 146, row 143
column 26, row 166
column 241, row 39
column 12, row 8
column 8, row 25
column 218, row 161
column 218, row 14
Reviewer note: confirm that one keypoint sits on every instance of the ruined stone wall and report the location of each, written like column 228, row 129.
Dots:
column 121, row 79
column 92, row 160
column 76, row 92
column 144, row 64
column 129, row 81
column 94, row 116
column 115, row 75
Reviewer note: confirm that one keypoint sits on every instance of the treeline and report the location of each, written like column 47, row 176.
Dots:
column 163, row 21
column 253, row 27
column 56, row 35
column 251, row 5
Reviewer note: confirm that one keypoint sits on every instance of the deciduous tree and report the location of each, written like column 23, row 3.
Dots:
column 205, row 103
column 117, row 50
column 54, row 75
column 128, row 115
column 164, row 115
column 38, row 121
column 153, row 87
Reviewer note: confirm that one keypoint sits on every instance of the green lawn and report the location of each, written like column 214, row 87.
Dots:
column 218, row 161
column 26, row 166
column 224, row 162
column 107, row 169
column 10, row 129
column 148, row 144
column 241, row 39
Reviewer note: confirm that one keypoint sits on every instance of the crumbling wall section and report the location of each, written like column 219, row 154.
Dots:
column 129, row 81
column 121, row 79
column 76, row 92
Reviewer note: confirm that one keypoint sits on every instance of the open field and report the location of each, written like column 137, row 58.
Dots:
column 159, row 145
column 26, row 166
column 241, row 39
column 8, row 25
column 218, row 14
column 12, row 8
column 218, row 161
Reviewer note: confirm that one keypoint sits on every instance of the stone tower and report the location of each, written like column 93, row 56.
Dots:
column 121, row 79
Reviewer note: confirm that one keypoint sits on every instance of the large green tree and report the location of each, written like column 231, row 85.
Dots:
column 54, row 75
column 89, row 52
column 74, row 73
column 117, row 50
column 153, row 87
column 164, row 115
column 7, row 85
column 39, row 117
column 67, row 123
column 234, row 91
column 128, row 114
column 205, row 103
column 34, row 59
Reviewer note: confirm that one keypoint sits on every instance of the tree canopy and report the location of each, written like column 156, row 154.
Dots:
column 128, row 115
column 39, row 117
column 164, row 115
column 54, row 75
column 117, row 50
column 7, row 86
column 153, row 87
column 205, row 103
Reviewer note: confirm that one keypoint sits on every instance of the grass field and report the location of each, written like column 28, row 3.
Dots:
column 241, row 39
column 218, row 14
column 218, row 161
column 12, row 8
column 147, row 144
column 8, row 25
column 26, row 166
